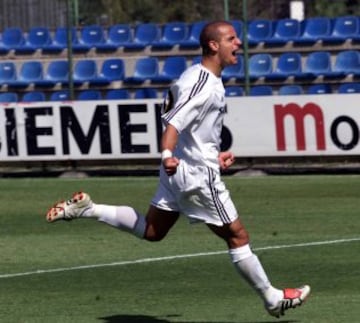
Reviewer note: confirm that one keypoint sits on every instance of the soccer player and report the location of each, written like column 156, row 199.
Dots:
column 190, row 182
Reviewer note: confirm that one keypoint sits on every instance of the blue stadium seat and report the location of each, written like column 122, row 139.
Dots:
column 172, row 34
column 314, row 30
column 344, row 28
column 319, row 64
column 260, row 65
column 12, row 38
column 57, row 72
column 90, row 37
column 146, row 93
column 285, row 30
column 260, row 90
column 85, row 70
column 259, row 31
column 349, row 88
column 192, row 41
column 171, row 70
column 34, row 96
column 37, row 38
column 117, row 94
column 30, row 73
column 8, row 97
column 87, row 95
column 112, row 69
column 291, row 89
column 347, row 62
column 288, row 64
column 144, row 35
column 8, row 72
column 60, row 41
column 319, row 89
column 235, row 72
column 234, row 91
column 196, row 60
column 145, row 69
column 117, row 36
column 62, row 95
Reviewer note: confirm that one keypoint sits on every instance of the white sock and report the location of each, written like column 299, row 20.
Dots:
column 249, row 266
column 122, row 217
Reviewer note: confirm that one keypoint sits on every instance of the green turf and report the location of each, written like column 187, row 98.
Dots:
column 278, row 211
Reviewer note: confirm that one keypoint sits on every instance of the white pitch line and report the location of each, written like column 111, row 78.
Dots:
column 157, row 259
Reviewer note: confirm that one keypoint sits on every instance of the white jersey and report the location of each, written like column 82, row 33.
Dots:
column 195, row 106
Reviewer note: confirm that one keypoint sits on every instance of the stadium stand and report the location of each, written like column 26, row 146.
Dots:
column 348, row 88
column 319, row 54
column 234, row 91
column 146, row 93
column 62, row 95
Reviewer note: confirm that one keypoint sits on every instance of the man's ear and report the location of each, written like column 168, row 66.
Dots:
column 214, row 46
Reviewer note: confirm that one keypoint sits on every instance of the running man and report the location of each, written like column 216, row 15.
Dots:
column 190, row 182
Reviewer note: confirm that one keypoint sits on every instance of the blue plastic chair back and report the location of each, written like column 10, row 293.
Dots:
column 61, row 36
column 63, row 95
column 85, row 70
column 286, row 29
column 348, row 88
column 33, row 96
column 89, row 95
column 117, row 94
column 146, row 93
column 261, row 90
column 92, row 35
column 146, row 67
column 260, row 65
column 318, row 63
column 316, row 28
column 234, row 91
column 319, row 89
column 57, row 71
column 192, row 40
column 7, row 72
column 113, row 69
column 347, row 61
column 259, row 31
column 345, row 27
column 8, row 97
column 119, row 34
column 39, row 37
column 146, row 33
column 291, row 89
column 174, row 32
column 31, row 71
column 289, row 64
column 13, row 37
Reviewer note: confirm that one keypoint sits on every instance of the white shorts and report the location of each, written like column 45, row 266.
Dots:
column 197, row 192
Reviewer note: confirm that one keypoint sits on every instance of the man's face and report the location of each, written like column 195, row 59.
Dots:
column 229, row 44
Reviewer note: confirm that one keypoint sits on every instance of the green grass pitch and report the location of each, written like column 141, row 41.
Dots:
column 305, row 229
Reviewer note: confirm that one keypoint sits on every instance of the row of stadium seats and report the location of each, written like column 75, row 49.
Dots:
column 294, row 89
column 185, row 36
column 262, row 65
column 152, row 93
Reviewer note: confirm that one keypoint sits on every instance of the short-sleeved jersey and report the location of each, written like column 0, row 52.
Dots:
column 195, row 106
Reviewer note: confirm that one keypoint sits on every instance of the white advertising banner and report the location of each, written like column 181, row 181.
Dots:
column 269, row 126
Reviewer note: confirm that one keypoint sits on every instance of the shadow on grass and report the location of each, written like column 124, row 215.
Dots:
column 152, row 319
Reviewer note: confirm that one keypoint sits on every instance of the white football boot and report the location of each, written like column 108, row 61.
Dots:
column 293, row 297
column 70, row 209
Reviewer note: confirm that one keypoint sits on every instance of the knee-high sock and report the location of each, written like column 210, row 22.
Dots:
column 122, row 217
column 249, row 266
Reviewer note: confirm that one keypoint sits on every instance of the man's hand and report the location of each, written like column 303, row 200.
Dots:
column 170, row 165
column 226, row 159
